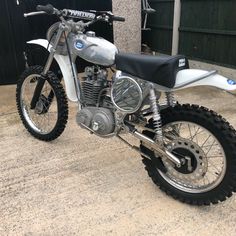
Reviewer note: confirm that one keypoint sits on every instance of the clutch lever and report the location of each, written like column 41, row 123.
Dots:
column 34, row 13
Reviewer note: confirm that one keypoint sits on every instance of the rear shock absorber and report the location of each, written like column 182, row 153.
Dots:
column 156, row 115
column 170, row 99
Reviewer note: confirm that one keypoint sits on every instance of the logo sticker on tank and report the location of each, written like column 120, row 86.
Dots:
column 79, row 44
column 231, row 82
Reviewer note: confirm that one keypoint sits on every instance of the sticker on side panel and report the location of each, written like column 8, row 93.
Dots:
column 231, row 82
column 79, row 44
column 182, row 62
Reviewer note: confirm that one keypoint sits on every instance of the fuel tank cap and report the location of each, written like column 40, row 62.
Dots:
column 91, row 34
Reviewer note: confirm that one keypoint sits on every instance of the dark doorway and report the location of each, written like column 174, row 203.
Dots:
column 11, row 41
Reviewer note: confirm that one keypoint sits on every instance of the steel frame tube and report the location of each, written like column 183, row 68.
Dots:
column 157, row 148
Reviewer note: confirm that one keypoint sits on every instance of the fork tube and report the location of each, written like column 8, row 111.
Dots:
column 53, row 50
column 41, row 80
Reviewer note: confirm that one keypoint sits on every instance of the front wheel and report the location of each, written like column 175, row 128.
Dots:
column 206, row 144
column 47, row 119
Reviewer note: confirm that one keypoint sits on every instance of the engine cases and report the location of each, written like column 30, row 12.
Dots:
column 100, row 120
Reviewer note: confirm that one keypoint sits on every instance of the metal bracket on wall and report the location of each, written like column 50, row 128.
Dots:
column 146, row 10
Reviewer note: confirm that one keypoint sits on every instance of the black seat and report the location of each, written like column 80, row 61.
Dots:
column 161, row 70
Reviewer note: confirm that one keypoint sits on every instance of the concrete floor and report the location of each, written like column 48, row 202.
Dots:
column 83, row 185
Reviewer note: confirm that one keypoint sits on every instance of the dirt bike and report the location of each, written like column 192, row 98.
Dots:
column 188, row 151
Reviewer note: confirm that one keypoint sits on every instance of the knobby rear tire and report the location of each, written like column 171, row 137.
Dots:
column 226, row 136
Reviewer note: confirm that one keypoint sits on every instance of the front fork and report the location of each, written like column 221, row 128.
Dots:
column 41, row 80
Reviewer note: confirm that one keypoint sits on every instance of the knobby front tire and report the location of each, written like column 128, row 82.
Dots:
column 29, row 117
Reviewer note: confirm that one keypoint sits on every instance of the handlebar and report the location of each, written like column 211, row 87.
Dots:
column 91, row 16
column 118, row 18
column 78, row 14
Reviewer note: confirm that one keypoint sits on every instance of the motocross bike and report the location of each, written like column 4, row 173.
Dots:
column 188, row 150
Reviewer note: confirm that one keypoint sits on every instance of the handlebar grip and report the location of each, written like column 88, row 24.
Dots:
column 49, row 9
column 118, row 18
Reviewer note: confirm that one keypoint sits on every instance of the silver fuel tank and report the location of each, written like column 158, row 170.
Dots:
column 93, row 49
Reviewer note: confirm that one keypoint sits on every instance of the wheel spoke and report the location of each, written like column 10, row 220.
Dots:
column 215, row 156
column 196, row 133
column 205, row 141
column 211, row 164
column 190, row 132
column 211, row 147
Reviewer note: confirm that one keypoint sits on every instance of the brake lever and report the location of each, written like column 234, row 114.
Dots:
column 98, row 18
column 105, row 15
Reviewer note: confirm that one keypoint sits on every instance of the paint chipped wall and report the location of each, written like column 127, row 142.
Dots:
column 127, row 35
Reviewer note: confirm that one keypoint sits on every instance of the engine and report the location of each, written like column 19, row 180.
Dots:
column 97, row 113
column 94, row 82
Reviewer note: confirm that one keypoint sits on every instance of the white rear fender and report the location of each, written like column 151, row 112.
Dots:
column 192, row 78
column 64, row 64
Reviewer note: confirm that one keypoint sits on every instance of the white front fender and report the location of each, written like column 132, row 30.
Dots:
column 218, row 81
column 65, row 67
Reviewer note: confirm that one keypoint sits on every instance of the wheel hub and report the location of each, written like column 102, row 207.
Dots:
column 42, row 105
column 187, row 158
column 194, row 160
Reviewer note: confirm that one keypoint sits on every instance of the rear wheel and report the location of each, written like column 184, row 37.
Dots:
column 48, row 119
column 206, row 144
